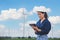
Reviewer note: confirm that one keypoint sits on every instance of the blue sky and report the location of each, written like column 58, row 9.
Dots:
column 29, row 5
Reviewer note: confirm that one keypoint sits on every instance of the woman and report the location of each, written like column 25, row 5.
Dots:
column 43, row 26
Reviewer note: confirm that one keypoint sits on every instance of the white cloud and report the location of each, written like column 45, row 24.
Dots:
column 12, row 14
column 54, row 34
column 31, row 22
column 27, row 23
column 4, row 31
column 54, row 19
column 41, row 8
column 27, row 29
column 18, row 14
column 2, row 26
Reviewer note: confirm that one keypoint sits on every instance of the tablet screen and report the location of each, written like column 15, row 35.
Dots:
column 32, row 24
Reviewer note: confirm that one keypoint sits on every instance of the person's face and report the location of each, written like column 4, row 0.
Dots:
column 41, row 15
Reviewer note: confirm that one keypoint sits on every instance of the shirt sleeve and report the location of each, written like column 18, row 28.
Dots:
column 46, row 28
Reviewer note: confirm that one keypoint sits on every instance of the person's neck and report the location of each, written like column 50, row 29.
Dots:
column 43, row 19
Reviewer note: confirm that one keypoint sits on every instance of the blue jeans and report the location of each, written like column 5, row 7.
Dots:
column 42, row 37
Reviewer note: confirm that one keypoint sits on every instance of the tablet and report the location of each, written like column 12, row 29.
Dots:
column 32, row 24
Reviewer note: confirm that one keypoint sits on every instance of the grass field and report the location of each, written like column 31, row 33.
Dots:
column 18, row 38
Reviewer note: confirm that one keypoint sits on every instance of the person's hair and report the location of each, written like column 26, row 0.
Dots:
column 45, row 14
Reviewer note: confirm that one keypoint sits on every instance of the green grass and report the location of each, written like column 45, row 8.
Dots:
column 18, row 38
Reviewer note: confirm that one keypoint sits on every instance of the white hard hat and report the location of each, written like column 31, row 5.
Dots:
column 43, row 9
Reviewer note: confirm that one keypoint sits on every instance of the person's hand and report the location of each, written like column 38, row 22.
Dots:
column 36, row 28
